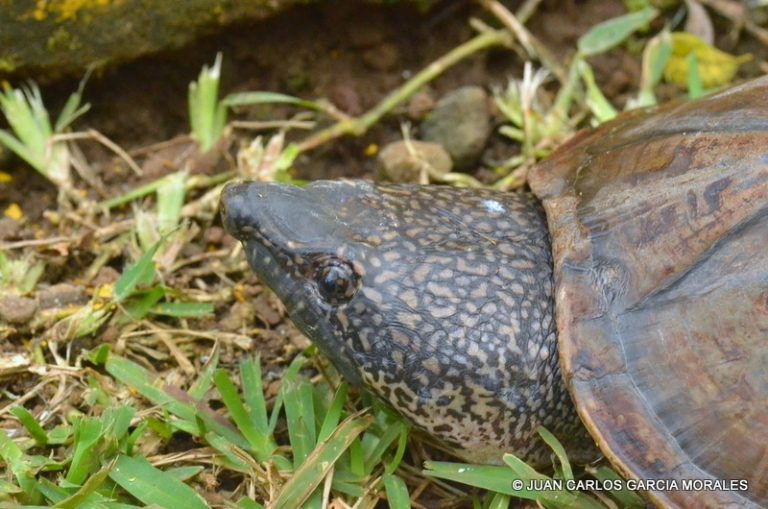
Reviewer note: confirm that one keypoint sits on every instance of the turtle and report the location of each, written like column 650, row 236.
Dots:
column 621, row 302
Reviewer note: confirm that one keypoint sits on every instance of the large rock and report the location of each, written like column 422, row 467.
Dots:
column 461, row 123
column 66, row 36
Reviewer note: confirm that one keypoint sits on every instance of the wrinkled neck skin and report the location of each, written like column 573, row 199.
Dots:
column 451, row 318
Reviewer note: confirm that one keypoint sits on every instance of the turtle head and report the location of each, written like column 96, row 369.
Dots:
column 436, row 299
column 305, row 244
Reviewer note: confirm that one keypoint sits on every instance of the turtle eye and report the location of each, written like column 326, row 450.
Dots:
column 336, row 281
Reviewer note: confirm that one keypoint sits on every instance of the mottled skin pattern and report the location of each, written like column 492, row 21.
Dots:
column 436, row 299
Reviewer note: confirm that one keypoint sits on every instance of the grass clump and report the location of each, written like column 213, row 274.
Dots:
column 207, row 115
column 99, row 461
column 32, row 135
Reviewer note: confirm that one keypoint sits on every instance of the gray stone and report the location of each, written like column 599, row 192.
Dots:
column 403, row 161
column 61, row 295
column 461, row 123
column 16, row 310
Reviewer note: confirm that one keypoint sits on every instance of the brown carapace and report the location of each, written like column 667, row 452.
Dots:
column 659, row 228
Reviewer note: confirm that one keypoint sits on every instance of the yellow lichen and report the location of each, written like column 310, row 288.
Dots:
column 66, row 10
column 14, row 212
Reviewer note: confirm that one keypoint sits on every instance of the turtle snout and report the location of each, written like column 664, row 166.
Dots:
column 236, row 213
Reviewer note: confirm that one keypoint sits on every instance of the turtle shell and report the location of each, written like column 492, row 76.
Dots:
column 659, row 223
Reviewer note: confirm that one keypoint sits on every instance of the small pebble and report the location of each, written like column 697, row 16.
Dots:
column 17, row 310
column 60, row 296
column 403, row 161
column 420, row 105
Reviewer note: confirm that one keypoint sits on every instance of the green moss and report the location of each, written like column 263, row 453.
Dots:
column 7, row 64
column 61, row 39
column 66, row 36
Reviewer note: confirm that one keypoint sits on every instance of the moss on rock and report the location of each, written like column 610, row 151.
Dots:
column 65, row 36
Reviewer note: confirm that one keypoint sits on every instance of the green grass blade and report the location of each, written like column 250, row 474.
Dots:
column 193, row 418
column 499, row 501
column 352, row 488
column 501, row 480
column 357, row 458
column 259, row 443
column 695, row 86
column 550, row 498
column 133, row 194
column 559, row 450
column 613, row 32
column 259, row 97
column 397, row 492
column 141, row 304
column 118, row 420
column 183, row 309
column 333, row 416
column 170, row 200
column 317, row 465
column 135, row 435
column 31, row 425
column 153, row 486
column 247, row 503
column 300, row 416
column 88, row 489
column 52, row 492
column 402, row 443
column 145, row 383
column 391, row 433
column 600, row 106
column 22, row 150
column 207, row 117
column 8, row 489
column 185, row 473
column 204, row 382
column 233, row 455
column 88, row 431
column 140, row 273
column 72, row 108
column 655, row 57
column 253, row 394
column 15, row 458
column 28, row 118
column 493, row 478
